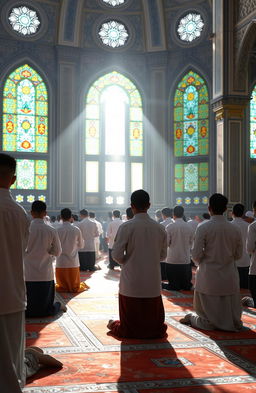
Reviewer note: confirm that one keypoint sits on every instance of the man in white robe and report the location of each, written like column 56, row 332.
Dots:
column 218, row 244
column 167, row 219
column 14, row 225
column 111, row 234
column 87, row 254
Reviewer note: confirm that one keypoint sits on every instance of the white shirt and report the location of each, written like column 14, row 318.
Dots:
column 71, row 240
column 167, row 221
column 179, row 241
column 14, row 225
column 243, row 226
column 251, row 247
column 112, row 231
column 89, row 232
column 139, row 247
column 43, row 246
column 217, row 245
column 193, row 224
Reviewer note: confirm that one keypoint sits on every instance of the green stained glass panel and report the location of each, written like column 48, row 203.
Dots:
column 190, row 177
column 24, row 99
column 191, row 107
column 31, row 174
column 179, row 178
column 203, row 176
column 253, row 124
column 92, row 145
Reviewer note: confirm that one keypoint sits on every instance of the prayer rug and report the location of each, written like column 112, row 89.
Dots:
column 187, row 361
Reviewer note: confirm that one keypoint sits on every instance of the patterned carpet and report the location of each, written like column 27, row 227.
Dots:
column 188, row 361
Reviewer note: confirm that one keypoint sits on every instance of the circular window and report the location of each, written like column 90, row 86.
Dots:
column 190, row 27
column 24, row 21
column 114, row 3
column 113, row 34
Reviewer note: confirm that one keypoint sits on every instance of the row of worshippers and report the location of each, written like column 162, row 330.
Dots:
column 217, row 244
column 176, row 269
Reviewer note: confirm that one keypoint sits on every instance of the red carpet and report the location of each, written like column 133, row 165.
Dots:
column 188, row 361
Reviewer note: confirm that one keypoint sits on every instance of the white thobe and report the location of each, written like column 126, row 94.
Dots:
column 218, row 244
column 14, row 227
column 244, row 261
column 193, row 224
column 251, row 247
column 89, row 232
column 139, row 247
column 166, row 222
column 179, row 242
column 43, row 246
column 112, row 231
column 71, row 241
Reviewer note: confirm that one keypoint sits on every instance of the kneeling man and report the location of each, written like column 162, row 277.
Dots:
column 139, row 247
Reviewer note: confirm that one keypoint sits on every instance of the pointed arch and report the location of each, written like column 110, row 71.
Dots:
column 191, row 139
column 125, row 126
column 25, row 130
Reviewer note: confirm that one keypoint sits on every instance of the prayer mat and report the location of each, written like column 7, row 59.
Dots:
column 187, row 361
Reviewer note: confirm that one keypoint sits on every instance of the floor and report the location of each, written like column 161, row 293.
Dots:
column 188, row 361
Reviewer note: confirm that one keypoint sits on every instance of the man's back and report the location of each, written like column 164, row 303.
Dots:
column 71, row 240
column 218, row 243
column 112, row 230
column 14, row 225
column 179, row 241
column 139, row 246
column 89, row 232
column 243, row 227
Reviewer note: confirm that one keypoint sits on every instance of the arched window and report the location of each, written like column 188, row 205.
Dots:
column 191, row 141
column 25, row 132
column 113, row 140
column 253, row 124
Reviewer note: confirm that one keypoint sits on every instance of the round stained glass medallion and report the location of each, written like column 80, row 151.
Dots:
column 113, row 34
column 24, row 20
column 190, row 27
column 114, row 3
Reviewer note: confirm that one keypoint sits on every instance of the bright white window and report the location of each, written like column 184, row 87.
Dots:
column 115, row 177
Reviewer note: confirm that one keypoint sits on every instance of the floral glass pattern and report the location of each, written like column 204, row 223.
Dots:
column 191, row 112
column 114, row 3
column 31, row 175
column 191, row 177
column 190, row 27
column 113, row 34
column 253, row 124
column 24, row 21
column 25, row 112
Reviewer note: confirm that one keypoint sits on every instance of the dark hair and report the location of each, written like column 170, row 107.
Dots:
column 178, row 211
column 206, row 216
column 129, row 213
column 84, row 212
column 116, row 213
column 91, row 214
column 140, row 199
column 75, row 217
column 238, row 210
column 167, row 212
column 7, row 163
column 38, row 207
column 66, row 213
column 218, row 203
column 254, row 205
column 53, row 218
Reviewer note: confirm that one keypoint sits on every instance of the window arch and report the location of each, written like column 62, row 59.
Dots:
column 191, row 140
column 25, row 131
column 253, row 124
column 113, row 140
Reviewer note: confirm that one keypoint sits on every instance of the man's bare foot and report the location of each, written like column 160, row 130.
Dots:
column 42, row 359
column 63, row 308
column 110, row 323
column 186, row 320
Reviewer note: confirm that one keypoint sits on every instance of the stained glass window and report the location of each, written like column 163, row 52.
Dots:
column 31, row 175
column 114, row 3
column 24, row 21
column 25, row 112
column 190, row 27
column 191, row 177
column 191, row 111
column 113, row 137
column 253, row 124
column 113, row 34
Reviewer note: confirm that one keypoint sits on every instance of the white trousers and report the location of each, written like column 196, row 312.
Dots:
column 12, row 344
